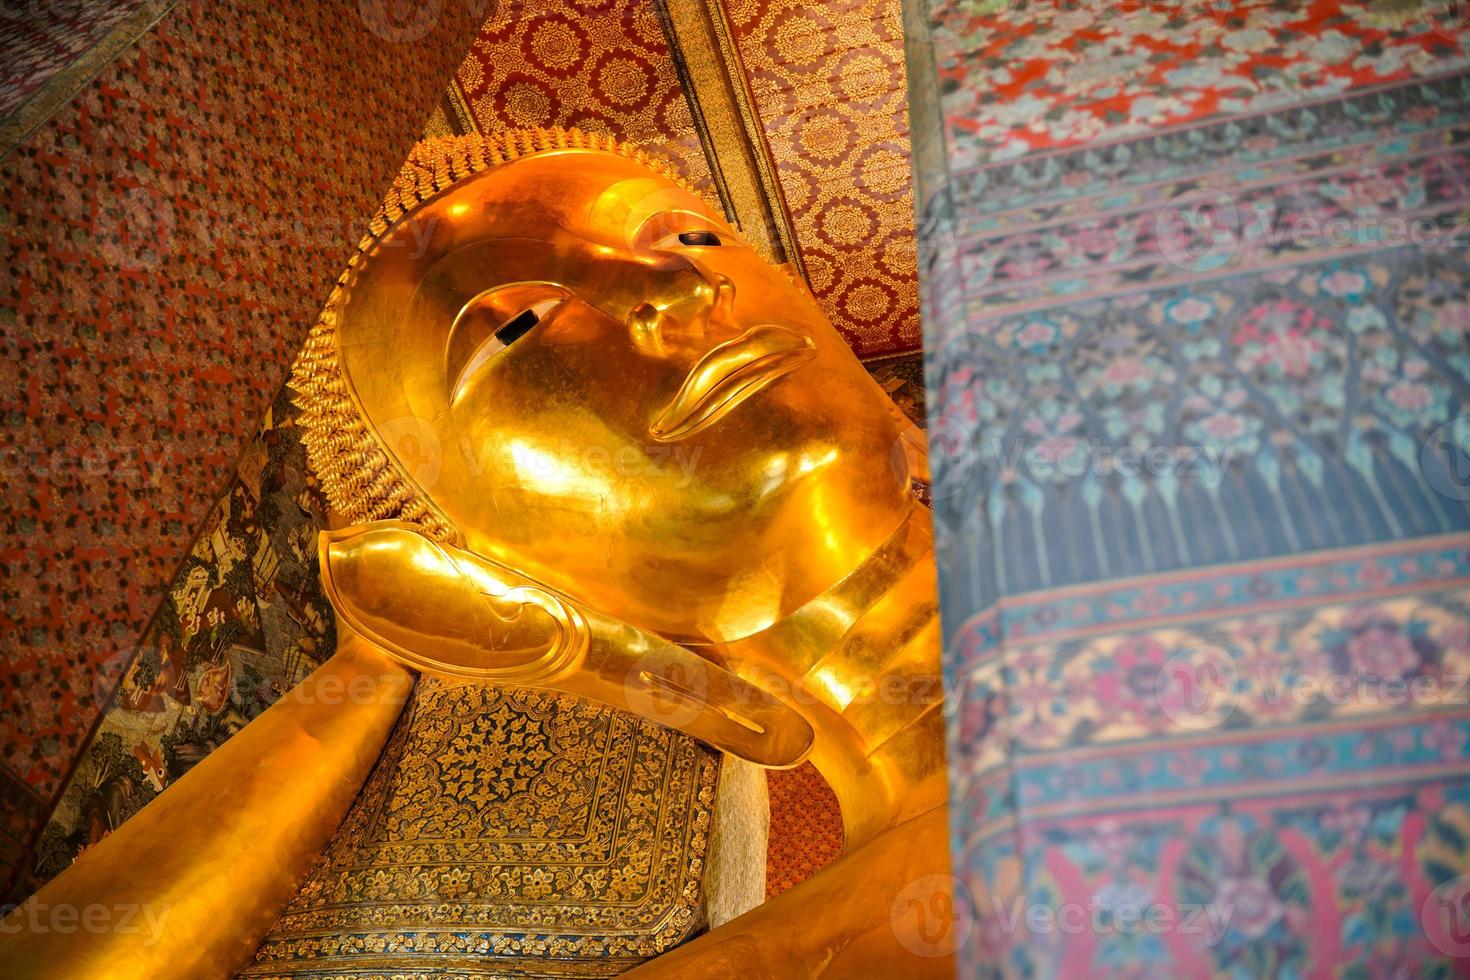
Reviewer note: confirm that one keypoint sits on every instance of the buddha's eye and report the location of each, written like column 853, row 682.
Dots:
column 519, row 325
column 493, row 321
column 700, row 238
column 673, row 230
column 695, row 238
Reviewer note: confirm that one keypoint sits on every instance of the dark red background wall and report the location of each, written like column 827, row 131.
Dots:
column 166, row 238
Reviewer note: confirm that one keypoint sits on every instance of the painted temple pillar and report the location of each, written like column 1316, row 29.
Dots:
column 1198, row 414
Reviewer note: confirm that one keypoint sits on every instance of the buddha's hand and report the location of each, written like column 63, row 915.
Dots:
column 442, row 609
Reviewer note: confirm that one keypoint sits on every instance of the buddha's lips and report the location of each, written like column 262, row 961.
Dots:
column 729, row 374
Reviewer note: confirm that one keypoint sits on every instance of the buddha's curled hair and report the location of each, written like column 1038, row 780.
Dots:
column 361, row 479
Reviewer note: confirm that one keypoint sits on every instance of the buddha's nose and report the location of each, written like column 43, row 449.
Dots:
column 699, row 317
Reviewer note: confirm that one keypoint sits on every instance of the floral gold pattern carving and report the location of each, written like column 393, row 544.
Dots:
column 508, row 832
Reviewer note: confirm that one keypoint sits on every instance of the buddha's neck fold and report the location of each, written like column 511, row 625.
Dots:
column 861, row 661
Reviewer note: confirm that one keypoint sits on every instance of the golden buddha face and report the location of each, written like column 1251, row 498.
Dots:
column 603, row 386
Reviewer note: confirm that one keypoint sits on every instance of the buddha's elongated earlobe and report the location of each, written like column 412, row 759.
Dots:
column 444, row 610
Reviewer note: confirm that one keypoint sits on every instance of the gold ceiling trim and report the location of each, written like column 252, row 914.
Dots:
column 928, row 153
column 464, row 119
column 730, row 130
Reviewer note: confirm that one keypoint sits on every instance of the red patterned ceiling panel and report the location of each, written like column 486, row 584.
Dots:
column 829, row 86
column 599, row 65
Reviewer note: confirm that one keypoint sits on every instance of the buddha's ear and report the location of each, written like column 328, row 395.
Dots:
column 445, row 610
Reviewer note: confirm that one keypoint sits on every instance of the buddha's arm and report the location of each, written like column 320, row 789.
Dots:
column 882, row 911
column 188, row 886
column 449, row 611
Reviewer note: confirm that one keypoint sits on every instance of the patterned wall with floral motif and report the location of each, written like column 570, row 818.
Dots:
column 1050, row 75
column 829, row 86
column 40, row 39
column 601, row 66
column 243, row 620
column 167, row 237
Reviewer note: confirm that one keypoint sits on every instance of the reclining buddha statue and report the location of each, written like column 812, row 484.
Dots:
column 578, row 436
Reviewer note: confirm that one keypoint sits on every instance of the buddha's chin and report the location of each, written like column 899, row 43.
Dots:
column 776, row 565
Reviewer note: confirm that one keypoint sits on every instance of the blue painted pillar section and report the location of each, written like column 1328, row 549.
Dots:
column 1196, row 300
